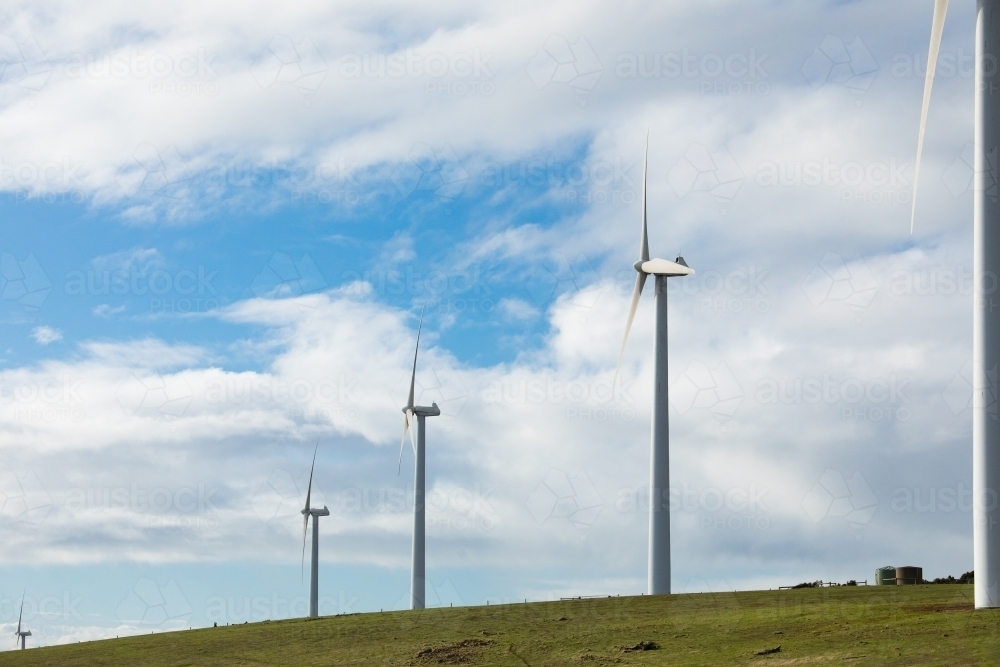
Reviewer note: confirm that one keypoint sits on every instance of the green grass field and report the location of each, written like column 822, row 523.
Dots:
column 906, row 625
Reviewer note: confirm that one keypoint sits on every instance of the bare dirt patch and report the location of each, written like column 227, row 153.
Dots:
column 455, row 653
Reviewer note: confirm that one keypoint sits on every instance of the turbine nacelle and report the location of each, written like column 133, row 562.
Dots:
column 423, row 410
column 663, row 267
column 315, row 511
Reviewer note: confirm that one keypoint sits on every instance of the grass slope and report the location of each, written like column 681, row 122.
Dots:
column 912, row 625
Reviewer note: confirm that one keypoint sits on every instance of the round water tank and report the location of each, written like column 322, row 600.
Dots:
column 909, row 575
column 885, row 576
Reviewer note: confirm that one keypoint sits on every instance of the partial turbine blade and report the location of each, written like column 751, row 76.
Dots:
column 413, row 434
column 937, row 30
column 311, row 470
column 305, row 512
column 19, row 615
column 644, row 242
column 406, row 427
column 305, row 531
column 413, row 375
column 640, row 280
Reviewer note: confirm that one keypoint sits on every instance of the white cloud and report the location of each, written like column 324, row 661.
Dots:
column 107, row 310
column 517, row 309
column 44, row 335
column 134, row 260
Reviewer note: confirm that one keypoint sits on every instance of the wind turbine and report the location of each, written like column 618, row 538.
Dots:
column 986, row 313
column 21, row 634
column 658, row 577
column 315, row 514
column 417, row 580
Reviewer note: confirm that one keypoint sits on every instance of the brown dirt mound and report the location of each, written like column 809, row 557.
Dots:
column 641, row 646
column 453, row 654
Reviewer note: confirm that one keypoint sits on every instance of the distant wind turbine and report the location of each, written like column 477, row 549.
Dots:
column 315, row 514
column 417, row 579
column 21, row 634
column 658, row 573
column 986, row 263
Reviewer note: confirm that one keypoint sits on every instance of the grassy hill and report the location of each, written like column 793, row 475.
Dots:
column 912, row 625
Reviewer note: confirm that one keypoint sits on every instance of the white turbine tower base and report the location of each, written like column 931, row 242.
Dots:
column 986, row 317
column 986, row 311
column 658, row 577
column 315, row 513
column 418, row 581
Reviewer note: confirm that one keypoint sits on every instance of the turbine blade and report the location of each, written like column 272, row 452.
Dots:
column 413, row 375
column 311, row 470
column 305, row 531
column 402, row 441
column 413, row 435
column 937, row 30
column 640, row 280
column 644, row 242
column 305, row 512
column 19, row 615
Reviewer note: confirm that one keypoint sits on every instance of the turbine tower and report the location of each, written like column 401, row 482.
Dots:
column 21, row 634
column 658, row 578
column 986, row 311
column 417, row 579
column 315, row 514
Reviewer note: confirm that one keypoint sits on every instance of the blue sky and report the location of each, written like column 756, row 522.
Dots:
column 220, row 225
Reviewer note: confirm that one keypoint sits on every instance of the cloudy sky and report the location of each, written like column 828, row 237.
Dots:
column 222, row 220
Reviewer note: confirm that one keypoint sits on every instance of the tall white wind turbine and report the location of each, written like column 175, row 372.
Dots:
column 21, row 634
column 658, row 580
column 417, row 579
column 315, row 513
column 986, row 311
